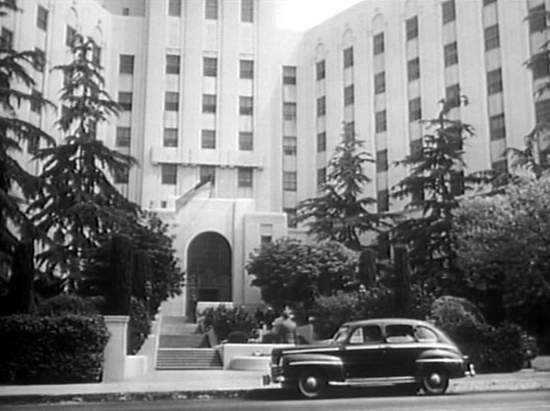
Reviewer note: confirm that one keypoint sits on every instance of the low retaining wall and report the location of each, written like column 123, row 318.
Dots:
column 247, row 357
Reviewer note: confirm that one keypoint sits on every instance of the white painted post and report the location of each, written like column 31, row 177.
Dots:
column 114, row 361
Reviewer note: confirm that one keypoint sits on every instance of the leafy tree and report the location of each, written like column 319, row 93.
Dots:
column 340, row 213
column 503, row 247
column 289, row 272
column 433, row 185
column 16, row 184
column 79, row 205
column 149, row 237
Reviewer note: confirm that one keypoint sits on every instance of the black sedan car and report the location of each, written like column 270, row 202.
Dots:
column 375, row 351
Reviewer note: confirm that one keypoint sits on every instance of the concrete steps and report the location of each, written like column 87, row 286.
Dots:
column 181, row 347
column 188, row 359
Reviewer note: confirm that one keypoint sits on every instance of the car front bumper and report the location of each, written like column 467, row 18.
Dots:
column 276, row 376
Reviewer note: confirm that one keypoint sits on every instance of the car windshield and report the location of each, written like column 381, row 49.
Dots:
column 340, row 335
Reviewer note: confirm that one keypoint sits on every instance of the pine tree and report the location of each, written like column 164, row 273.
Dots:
column 340, row 213
column 433, row 185
column 79, row 206
column 16, row 184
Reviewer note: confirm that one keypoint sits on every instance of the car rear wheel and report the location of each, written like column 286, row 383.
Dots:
column 312, row 383
column 435, row 382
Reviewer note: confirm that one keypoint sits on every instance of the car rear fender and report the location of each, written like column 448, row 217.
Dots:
column 331, row 366
column 450, row 360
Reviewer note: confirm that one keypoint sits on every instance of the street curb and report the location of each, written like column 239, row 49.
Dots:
column 205, row 395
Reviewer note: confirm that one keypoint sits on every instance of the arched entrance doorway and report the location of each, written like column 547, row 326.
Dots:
column 208, row 270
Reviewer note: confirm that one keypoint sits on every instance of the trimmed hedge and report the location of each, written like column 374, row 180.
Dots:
column 51, row 349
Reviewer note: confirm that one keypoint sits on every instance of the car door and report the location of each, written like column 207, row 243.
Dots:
column 363, row 353
column 402, row 350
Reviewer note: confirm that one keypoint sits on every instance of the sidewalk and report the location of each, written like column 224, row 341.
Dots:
column 224, row 384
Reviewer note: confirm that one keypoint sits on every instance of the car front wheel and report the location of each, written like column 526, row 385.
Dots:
column 435, row 382
column 312, row 383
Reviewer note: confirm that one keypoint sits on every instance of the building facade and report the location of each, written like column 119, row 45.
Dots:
column 213, row 90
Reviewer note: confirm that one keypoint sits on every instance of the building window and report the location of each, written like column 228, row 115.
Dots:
column 542, row 111
column 289, row 181
column 349, row 96
column 497, row 128
column 321, row 142
column 170, row 137
column 348, row 57
column 452, row 96
column 537, row 18
column 122, row 176
column 172, row 64
column 457, row 183
column 413, row 69
column 321, row 176
column 450, row 52
column 207, row 173
column 289, row 111
column 291, row 217
column 382, row 161
column 39, row 60
column 6, row 39
column 169, row 173
column 210, row 67
column 321, row 106
column 245, row 176
column 289, row 75
column 378, row 43
column 289, row 145
column 492, row 39
column 246, row 141
column 96, row 55
column 415, row 109
column 320, row 70
column 125, row 100
column 349, row 130
column 412, row 28
column 70, row 35
column 125, row 11
column 208, row 139
column 540, row 68
column 126, row 65
column 494, row 81
column 500, row 166
column 246, row 69
column 247, row 11
column 448, row 11
column 174, row 8
column 380, row 82
column 41, row 18
column 383, row 201
column 380, row 121
column 246, row 106
column 416, row 149
column 487, row 2
column 171, row 101
column 122, row 137
column 211, row 9
column 209, row 103
column 33, row 144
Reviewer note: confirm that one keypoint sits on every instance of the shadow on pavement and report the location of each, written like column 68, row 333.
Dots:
column 335, row 392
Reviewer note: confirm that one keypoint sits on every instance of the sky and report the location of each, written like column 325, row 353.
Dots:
column 303, row 14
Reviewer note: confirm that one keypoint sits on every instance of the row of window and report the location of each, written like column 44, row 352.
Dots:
column 169, row 175
column 170, row 138
column 211, row 9
column 172, row 103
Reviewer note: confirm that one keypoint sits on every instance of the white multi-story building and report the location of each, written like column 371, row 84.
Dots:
column 214, row 89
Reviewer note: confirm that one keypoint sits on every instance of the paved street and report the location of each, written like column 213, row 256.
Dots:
column 344, row 400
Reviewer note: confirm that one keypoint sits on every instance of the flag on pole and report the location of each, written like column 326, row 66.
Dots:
column 182, row 200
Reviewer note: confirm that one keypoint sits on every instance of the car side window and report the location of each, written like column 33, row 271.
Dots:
column 424, row 334
column 370, row 334
column 399, row 333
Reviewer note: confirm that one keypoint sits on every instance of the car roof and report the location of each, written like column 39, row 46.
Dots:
column 387, row 321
